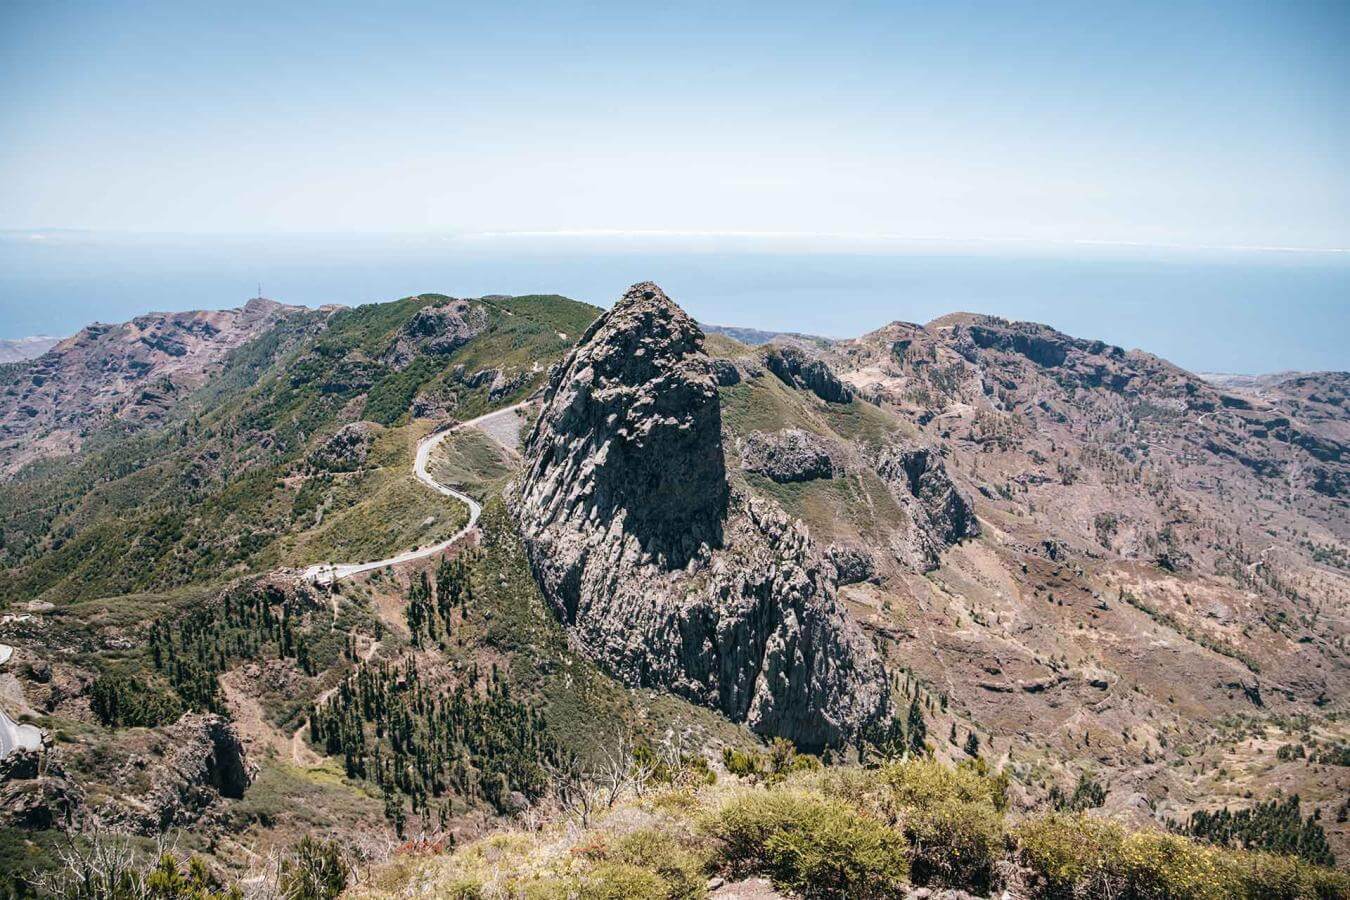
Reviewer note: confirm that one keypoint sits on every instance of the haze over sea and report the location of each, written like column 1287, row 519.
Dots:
column 1218, row 310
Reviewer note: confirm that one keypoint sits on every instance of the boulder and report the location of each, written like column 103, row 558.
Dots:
column 788, row 455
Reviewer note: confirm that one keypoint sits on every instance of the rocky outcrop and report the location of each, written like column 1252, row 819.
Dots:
column 939, row 514
column 787, row 455
column 203, row 760
column 726, row 373
column 438, row 330
column 35, row 793
column 796, row 369
column 347, row 449
column 630, row 434
column 852, row 565
column 659, row 572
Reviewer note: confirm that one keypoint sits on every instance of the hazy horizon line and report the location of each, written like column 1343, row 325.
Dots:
column 794, row 238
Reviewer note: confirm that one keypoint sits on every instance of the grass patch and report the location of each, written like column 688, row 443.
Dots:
column 472, row 462
column 763, row 404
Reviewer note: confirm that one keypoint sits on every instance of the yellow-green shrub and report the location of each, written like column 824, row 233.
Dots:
column 1076, row 856
column 614, row 880
column 680, row 865
column 464, row 889
column 1267, row 876
column 951, row 817
column 772, row 766
column 810, row 844
column 1070, row 853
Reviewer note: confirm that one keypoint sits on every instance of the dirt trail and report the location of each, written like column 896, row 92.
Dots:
column 301, row 754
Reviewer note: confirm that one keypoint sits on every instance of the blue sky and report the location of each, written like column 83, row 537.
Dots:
column 1173, row 176
column 1215, row 124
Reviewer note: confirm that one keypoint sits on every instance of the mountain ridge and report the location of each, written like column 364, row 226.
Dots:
column 1084, row 562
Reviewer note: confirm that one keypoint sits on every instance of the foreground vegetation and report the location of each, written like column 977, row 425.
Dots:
column 662, row 826
column 843, row 832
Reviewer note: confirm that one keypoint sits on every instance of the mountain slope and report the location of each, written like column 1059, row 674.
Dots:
column 1112, row 580
column 20, row 349
column 131, row 372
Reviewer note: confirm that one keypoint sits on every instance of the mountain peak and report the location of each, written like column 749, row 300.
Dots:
column 659, row 571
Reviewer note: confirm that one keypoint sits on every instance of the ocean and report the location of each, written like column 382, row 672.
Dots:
column 1214, row 311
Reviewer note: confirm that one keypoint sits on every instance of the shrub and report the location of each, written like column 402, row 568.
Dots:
column 623, row 881
column 773, row 766
column 464, row 889
column 1267, row 876
column 680, row 867
column 676, row 768
column 1075, row 856
column 815, row 846
column 740, row 763
column 315, row 870
column 951, row 817
column 167, row 881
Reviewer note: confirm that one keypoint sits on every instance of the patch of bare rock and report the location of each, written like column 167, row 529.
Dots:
column 787, row 455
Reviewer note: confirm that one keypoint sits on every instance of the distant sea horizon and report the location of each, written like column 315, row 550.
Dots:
column 1249, row 311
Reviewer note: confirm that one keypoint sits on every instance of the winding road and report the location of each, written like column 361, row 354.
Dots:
column 327, row 573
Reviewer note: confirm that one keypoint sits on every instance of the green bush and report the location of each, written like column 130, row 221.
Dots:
column 1076, row 856
column 681, row 867
column 167, row 881
column 812, row 845
column 623, row 881
column 772, row 766
column 464, row 889
column 1070, row 854
column 315, row 870
column 951, row 817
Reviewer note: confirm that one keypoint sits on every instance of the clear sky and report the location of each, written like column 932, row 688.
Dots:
column 1170, row 175
column 1212, row 124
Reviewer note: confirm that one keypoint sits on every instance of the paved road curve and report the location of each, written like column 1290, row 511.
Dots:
column 327, row 573
column 13, row 735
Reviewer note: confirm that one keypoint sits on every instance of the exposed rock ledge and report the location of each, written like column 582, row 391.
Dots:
column 787, row 455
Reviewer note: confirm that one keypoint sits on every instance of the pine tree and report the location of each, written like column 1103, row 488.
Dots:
column 916, row 729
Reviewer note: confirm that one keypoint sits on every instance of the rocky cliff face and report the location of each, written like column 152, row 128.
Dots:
column 786, row 456
column 796, row 368
column 437, row 330
column 939, row 514
column 660, row 572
